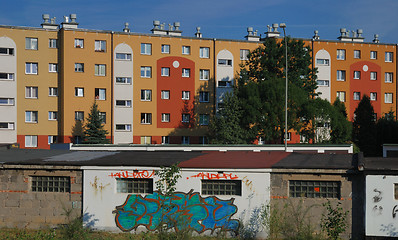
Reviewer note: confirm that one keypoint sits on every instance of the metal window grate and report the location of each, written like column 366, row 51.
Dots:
column 50, row 184
column 134, row 185
column 222, row 187
column 314, row 189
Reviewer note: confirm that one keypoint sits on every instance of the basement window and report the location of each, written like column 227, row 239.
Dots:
column 222, row 187
column 50, row 184
column 134, row 185
column 314, row 189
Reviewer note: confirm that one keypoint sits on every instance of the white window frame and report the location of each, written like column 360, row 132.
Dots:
column 204, row 119
column 146, row 49
column 373, row 76
column 204, row 74
column 126, row 128
column 388, row 57
column 52, row 139
column 123, row 80
column 7, row 76
column 165, row 94
column 204, row 96
column 31, row 92
column 53, row 67
column 79, row 67
column 100, row 94
column 9, row 126
column 224, row 83
column 341, row 96
column 79, row 92
column 322, row 62
column 388, row 77
column 244, row 54
column 145, row 140
column 341, row 75
column 52, row 92
column 31, row 116
column 146, row 72
column 185, row 117
column 340, row 54
column 31, row 68
column 165, row 72
column 127, row 103
column 166, row 48
column 79, row 43
column 185, row 95
column 52, row 43
column 30, row 141
column 100, row 46
column 165, row 140
column 31, row 43
column 186, row 50
column 388, row 98
column 357, row 96
column 186, row 72
column 100, row 70
column 357, row 74
column 185, row 140
column 373, row 54
column 165, row 117
column 224, row 62
column 204, row 52
column 102, row 116
column 6, row 51
column 357, row 54
column 322, row 83
column 52, row 115
column 373, row 96
column 146, row 95
column 79, row 115
column 123, row 56
column 146, row 118
column 7, row 101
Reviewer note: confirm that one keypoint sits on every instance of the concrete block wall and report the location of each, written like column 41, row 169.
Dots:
column 20, row 207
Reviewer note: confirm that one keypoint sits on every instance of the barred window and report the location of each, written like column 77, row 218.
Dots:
column 134, row 185
column 314, row 189
column 222, row 187
column 50, row 184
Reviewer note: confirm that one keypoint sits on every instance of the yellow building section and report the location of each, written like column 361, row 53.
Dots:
column 85, row 77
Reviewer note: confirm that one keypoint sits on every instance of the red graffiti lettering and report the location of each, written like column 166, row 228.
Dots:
column 212, row 176
column 133, row 174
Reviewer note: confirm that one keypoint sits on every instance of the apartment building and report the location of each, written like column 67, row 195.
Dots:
column 158, row 87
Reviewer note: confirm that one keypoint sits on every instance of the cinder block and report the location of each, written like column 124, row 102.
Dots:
column 38, row 219
column 45, row 212
column 28, row 196
column 12, row 203
column 56, row 220
column 13, row 196
column 33, row 211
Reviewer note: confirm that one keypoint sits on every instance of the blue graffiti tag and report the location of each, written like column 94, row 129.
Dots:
column 180, row 211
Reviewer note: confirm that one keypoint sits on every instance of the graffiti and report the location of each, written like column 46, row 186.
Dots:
column 133, row 174
column 212, row 176
column 378, row 197
column 180, row 211
column 378, row 209
column 97, row 186
column 248, row 183
column 390, row 230
column 394, row 211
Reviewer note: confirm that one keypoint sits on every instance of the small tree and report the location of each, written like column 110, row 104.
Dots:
column 94, row 129
column 341, row 127
column 387, row 131
column 78, row 132
column 334, row 222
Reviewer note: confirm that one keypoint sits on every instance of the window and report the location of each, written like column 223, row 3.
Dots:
column 123, row 56
column 146, row 72
column 186, row 72
column 373, row 55
column 185, row 140
column 165, row 94
column 340, row 75
column 387, row 97
column 79, row 92
column 134, row 185
column 203, row 119
column 185, row 117
column 203, row 140
column 204, row 52
column 146, row 95
column 373, row 75
column 388, row 77
column 123, row 80
column 165, row 48
column 79, row 67
column 31, row 68
column 357, row 75
column 31, row 116
column 100, row 46
column 6, row 76
column 100, row 94
column 357, row 53
column 322, row 62
column 123, row 103
column 7, row 125
column 222, row 187
column 165, row 117
column 7, row 101
column 224, row 62
column 50, row 184
column 224, row 83
column 146, row 118
column 204, row 74
column 340, row 54
column 185, row 95
column 146, row 48
column 52, row 67
column 102, row 116
column 31, row 43
column 165, row 139
column 373, row 96
column 52, row 139
column 123, row 127
column 341, row 96
column 396, row 191
column 186, row 50
column 52, row 115
column 314, row 189
column 79, row 43
column 324, row 83
column 6, row 51
column 79, row 115
column 165, row 72
column 357, row 96
column 52, row 43
column 31, row 92
column 204, row 96
column 244, row 54
column 289, row 136
column 100, row 69
column 260, row 141
column 388, row 56
column 30, row 141
column 146, row 140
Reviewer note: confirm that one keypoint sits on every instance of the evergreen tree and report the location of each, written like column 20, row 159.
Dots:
column 341, row 127
column 94, row 129
column 364, row 127
column 224, row 127
column 78, row 132
column 387, row 131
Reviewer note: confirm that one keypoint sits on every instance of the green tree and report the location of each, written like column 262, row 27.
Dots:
column 341, row 127
column 78, row 132
column 261, row 88
column 225, row 125
column 364, row 127
column 387, row 131
column 334, row 222
column 94, row 132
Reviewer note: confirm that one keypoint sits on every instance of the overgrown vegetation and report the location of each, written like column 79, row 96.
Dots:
column 334, row 222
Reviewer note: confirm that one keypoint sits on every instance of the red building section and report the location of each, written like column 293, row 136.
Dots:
column 177, row 76
column 42, row 142
column 365, row 78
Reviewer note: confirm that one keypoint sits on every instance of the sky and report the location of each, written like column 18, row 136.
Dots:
column 226, row 19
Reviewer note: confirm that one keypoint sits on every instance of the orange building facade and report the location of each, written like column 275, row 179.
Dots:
column 158, row 88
